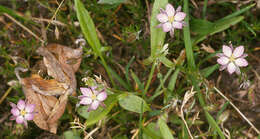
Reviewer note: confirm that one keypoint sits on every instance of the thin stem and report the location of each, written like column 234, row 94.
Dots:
column 149, row 78
column 204, row 8
column 244, row 117
column 108, row 71
column 5, row 94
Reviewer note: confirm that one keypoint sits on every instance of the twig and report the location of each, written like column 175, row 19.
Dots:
column 49, row 21
column 24, row 27
column 244, row 117
column 187, row 96
column 5, row 94
column 54, row 14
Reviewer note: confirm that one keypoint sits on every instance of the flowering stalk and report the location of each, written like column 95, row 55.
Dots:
column 171, row 19
column 22, row 112
column 91, row 96
column 232, row 59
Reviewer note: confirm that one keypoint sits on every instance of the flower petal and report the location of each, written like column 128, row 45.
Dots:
column 86, row 91
column 178, row 9
column 28, row 117
column 29, row 107
column 179, row 16
column 102, row 96
column 170, row 10
column 94, row 105
column 167, row 27
column 162, row 18
column 222, row 67
column 238, row 71
column 227, row 50
column 220, row 55
column 241, row 62
column 172, row 32
column 86, row 101
column 238, row 51
column 15, row 111
column 223, row 60
column 19, row 119
column 13, row 105
column 13, row 117
column 231, row 67
column 21, row 104
column 177, row 25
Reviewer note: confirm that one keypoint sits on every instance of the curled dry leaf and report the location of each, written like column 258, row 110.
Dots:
column 51, row 96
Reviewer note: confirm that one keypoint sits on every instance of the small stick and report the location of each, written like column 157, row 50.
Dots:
column 6, row 93
column 24, row 27
column 54, row 14
column 244, row 117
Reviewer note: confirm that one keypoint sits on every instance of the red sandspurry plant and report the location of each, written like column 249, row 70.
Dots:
column 22, row 112
column 92, row 97
column 171, row 19
column 231, row 59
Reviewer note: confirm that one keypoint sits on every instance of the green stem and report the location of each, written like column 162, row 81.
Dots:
column 108, row 71
column 204, row 9
column 149, row 78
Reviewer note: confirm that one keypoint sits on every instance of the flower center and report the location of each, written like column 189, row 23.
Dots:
column 93, row 97
column 23, row 112
column 171, row 18
column 232, row 59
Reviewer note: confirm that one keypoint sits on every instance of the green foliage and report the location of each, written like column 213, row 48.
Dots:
column 133, row 103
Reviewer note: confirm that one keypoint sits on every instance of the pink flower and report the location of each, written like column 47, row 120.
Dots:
column 171, row 19
column 92, row 97
column 232, row 59
column 22, row 112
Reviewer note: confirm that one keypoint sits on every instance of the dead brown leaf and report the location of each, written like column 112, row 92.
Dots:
column 57, row 59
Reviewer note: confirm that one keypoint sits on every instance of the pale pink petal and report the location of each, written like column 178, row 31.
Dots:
column 231, row 68
column 13, row 105
column 238, row 71
column 29, row 108
column 223, row 60
column 222, row 67
column 21, row 104
column 94, row 105
column 172, row 32
column 167, row 27
column 241, row 62
column 86, row 101
column 220, row 55
column 15, row 111
column 177, row 25
column 25, row 124
column 102, row 96
column 19, row 119
column 238, row 51
column 28, row 117
column 86, row 91
column 170, row 10
column 13, row 117
column 162, row 18
column 227, row 50
column 179, row 16
column 244, row 55
column 178, row 9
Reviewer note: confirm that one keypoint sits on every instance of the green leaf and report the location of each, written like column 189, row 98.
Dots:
column 111, row 1
column 133, row 103
column 151, row 132
column 88, row 28
column 209, row 70
column 165, row 131
column 157, row 35
column 96, row 115
column 71, row 135
column 218, row 26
